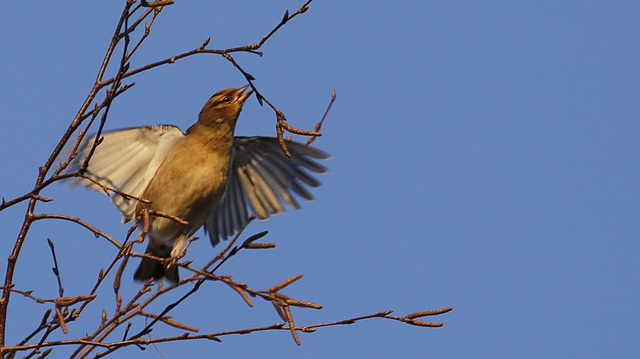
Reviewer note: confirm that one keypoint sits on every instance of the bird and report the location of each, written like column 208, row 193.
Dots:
column 205, row 176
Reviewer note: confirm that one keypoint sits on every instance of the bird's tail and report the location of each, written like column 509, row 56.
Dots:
column 150, row 268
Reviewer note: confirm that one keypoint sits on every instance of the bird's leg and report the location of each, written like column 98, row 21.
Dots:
column 177, row 247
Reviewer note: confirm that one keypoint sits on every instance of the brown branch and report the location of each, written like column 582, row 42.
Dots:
column 99, row 84
column 43, row 325
column 131, row 309
column 284, row 20
column 96, row 232
column 193, row 290
column 203, row 50
column 112, row 346
column 33, row 194
column 13, row 257
column 55, row 269
column 135, row 307
column 281, row 124
column 385, row 315
column 319, row 124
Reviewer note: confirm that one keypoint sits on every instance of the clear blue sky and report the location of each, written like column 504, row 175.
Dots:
column 486, row 157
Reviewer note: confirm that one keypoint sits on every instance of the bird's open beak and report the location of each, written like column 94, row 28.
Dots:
column 242, row 97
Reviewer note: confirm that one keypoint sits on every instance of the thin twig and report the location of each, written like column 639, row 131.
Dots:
column 55, row 269
column 98, row 233
column 319, row 124
column 60, row 311
column 213, row 336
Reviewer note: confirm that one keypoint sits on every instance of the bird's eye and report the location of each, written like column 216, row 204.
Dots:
column 226, row 99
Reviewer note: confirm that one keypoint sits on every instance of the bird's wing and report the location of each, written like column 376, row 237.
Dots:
column 261, row 180
column 126, row 160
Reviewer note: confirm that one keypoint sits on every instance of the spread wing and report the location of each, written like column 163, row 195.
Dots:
column 126, row 160
column 261, row 180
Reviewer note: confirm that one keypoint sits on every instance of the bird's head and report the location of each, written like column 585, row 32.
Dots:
column 223, row 107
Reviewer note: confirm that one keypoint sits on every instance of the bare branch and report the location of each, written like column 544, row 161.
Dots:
column 326, row 112
column 128, row 37
column 55, row 269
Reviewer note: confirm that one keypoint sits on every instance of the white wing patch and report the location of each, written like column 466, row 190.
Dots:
column 126, row 160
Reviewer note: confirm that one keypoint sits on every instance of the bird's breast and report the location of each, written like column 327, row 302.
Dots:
column 189, row 185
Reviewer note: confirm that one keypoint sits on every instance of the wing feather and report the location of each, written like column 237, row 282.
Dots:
column 126, row 160
column 261, row 181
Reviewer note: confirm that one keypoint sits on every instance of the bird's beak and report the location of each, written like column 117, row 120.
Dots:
column 242, row 97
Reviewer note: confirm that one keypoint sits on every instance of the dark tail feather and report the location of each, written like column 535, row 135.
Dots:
column 150, row 268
